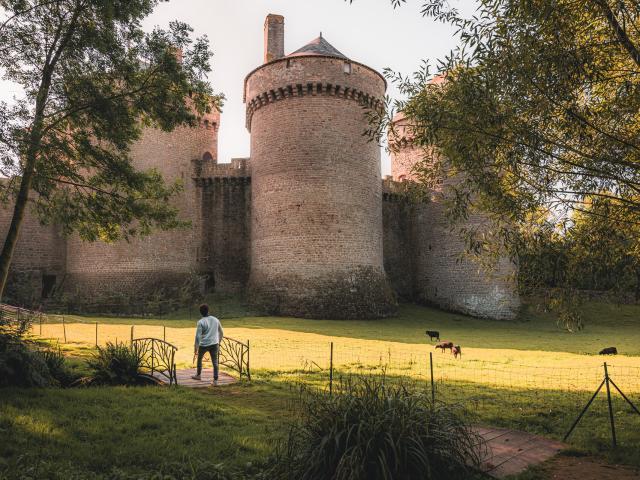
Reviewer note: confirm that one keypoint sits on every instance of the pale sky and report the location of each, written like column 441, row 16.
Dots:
column 367, row 31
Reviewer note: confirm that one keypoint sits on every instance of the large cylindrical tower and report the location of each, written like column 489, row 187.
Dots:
column 316, row 246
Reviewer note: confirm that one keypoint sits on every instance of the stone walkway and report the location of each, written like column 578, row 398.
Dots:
column 511, row 452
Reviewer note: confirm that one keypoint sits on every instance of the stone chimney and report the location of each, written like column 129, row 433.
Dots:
column 273, row 37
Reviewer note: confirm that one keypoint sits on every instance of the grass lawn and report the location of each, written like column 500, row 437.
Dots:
column 136, row 429
column 606, row 325
column 527, row 374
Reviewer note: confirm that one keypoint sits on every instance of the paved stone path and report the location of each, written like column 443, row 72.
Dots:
column 511, row 452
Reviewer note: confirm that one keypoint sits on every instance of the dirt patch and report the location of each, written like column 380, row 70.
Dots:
column 588, row 468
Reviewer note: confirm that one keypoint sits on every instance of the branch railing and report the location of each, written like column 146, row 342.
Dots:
column 157, row 357
column 234, row 354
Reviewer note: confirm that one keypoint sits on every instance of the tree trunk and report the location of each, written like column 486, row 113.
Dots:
column 18, row 216
column 56, row 48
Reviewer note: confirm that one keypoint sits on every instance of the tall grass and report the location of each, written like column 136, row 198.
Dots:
column 373, row 431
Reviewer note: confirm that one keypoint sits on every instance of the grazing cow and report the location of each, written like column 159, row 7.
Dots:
column 433, row 334
column 456, row 350
column 445, row 345
column 609, row 351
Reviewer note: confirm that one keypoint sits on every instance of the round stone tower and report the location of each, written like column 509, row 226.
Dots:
column 316, row 224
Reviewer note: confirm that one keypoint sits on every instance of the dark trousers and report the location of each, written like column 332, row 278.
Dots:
column 213, row 351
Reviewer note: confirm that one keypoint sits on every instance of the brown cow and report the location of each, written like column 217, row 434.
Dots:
column 456, row 350
column 445, row 345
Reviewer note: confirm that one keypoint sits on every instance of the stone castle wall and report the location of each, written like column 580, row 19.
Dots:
column 225, row 236
column 162, row 259
column 444, row 274
column 316, row 228
column 39, row 259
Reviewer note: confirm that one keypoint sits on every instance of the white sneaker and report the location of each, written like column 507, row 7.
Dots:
column 215, row 383
column 196, row 377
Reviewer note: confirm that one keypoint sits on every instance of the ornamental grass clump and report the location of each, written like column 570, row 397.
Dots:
column 117, row 364
column 374, row 431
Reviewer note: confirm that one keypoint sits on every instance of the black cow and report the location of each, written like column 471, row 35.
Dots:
column 609, row 351
column 433, row 334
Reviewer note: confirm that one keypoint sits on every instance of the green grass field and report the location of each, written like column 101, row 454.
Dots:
column 527, row 374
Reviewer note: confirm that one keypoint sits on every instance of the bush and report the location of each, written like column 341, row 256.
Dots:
column 24, row 363
column 21, row 366
column 117, row 364
column 372, row 431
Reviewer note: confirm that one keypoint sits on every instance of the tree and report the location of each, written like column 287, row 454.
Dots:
column 92, row 80
column 539, row 110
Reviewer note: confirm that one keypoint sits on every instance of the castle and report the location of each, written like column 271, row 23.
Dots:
column 306, row 226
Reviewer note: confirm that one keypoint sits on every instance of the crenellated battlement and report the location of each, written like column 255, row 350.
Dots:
column 363, row 98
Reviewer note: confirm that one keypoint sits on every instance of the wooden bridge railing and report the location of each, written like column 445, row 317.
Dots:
column 235, row 355
column 157, row 356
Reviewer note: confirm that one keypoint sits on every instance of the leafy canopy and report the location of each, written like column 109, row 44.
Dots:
column 92, row 79
column 539, row 110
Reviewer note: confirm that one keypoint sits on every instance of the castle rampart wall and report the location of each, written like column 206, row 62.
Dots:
column 38, row 262
column 444, row 274
column 226, row 226
column 162, row 259
column 397, row 215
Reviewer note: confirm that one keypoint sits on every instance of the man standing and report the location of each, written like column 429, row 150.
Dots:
column 208, row 337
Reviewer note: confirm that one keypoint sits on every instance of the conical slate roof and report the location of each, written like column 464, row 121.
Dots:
column 319, row 46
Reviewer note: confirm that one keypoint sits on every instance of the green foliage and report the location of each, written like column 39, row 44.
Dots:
column 116, row 364
column 590, row 252
column 537, row 112
column 22, row 366
column 193, row 469
column 134, row 433
column 92, row 80
column 25, row 363
column 370, row 430
column 57, row 366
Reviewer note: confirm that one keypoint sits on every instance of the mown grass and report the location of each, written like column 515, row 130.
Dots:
column 605, row 325
column 138, row 429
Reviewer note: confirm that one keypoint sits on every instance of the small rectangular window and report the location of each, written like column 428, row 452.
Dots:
column 347, row 68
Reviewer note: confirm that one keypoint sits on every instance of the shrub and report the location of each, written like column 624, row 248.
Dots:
column 372, row 431
column 21, row 366
column 24, row 363
column 117, row 364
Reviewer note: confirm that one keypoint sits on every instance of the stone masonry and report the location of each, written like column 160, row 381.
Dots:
column 305, row 227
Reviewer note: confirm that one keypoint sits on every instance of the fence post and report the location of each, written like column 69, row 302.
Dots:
column 331, row 371
column 164, row 333
column 40, row 324
column 248, row 357
column 613, row 425
column 433, row 388
column 132, row 333
column 96, row 334
column 64, row 330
